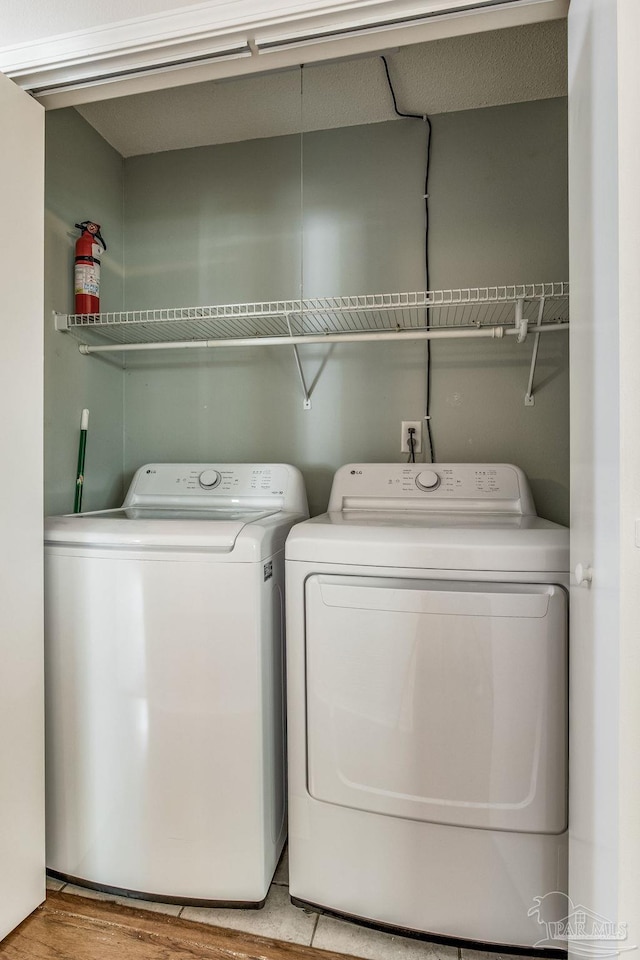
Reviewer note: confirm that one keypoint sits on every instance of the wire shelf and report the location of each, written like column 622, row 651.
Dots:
column 294, row 320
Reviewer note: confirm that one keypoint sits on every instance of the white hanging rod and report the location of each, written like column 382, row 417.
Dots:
column 491, row 333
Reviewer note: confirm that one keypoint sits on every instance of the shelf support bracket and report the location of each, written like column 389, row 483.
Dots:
column 529, row 399
column 306, row 401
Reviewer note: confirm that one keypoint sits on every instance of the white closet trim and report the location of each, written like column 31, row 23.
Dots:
column 222, row 38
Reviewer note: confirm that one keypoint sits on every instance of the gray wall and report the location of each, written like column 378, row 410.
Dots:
column 237, row 222
column 222, row 224
column 499, row 215
column 234, row 213
column 213, row 224
column 83, row 181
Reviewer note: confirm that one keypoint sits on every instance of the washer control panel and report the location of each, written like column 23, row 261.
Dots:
column 443, row 486
column 227, row 484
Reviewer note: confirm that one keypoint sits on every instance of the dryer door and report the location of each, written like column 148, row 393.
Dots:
column 439, row 701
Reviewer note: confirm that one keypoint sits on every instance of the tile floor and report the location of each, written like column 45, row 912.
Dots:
column 280, row 920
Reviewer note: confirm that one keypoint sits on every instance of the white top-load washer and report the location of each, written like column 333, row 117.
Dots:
column 164, row 689
column 427, row 702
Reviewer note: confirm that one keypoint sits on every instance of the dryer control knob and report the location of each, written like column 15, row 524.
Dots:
column 209, row 479
column 428, row 480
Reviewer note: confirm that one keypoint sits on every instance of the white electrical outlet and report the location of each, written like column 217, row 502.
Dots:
column 417, row 437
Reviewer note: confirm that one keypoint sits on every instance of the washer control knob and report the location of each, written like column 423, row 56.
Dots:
column 209, row 479
column 428, row 480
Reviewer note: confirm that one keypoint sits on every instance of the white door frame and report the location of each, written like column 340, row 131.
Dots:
column 604, row 231
column 22, row 878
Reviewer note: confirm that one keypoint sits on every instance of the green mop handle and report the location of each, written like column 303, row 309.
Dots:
column 82, row 448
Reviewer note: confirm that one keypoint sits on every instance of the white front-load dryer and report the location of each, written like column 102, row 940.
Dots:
column 427, row 699
column 164, row 684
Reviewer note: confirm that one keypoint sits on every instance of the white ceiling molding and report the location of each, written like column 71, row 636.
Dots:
column 225, row 38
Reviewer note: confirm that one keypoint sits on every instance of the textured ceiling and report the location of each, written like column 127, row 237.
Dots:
column 461, row 73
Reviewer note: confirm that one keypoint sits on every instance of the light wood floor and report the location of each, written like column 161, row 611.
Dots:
column 68, row 927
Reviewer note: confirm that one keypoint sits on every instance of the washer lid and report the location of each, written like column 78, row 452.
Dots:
column 237, row 512
column 214, row 528
column 432, row 541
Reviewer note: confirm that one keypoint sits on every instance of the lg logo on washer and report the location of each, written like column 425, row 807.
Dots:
column 359, row 472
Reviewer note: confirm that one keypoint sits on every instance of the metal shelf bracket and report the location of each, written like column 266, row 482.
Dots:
column 306, row 401
column 529, row 399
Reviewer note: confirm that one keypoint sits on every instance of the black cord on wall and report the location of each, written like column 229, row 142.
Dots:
column 425, row 119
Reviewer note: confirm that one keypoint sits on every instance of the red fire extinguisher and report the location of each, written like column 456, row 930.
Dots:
column 89, row 248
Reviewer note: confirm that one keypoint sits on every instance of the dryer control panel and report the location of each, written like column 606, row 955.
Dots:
column 453, row 487
column 218, row 484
